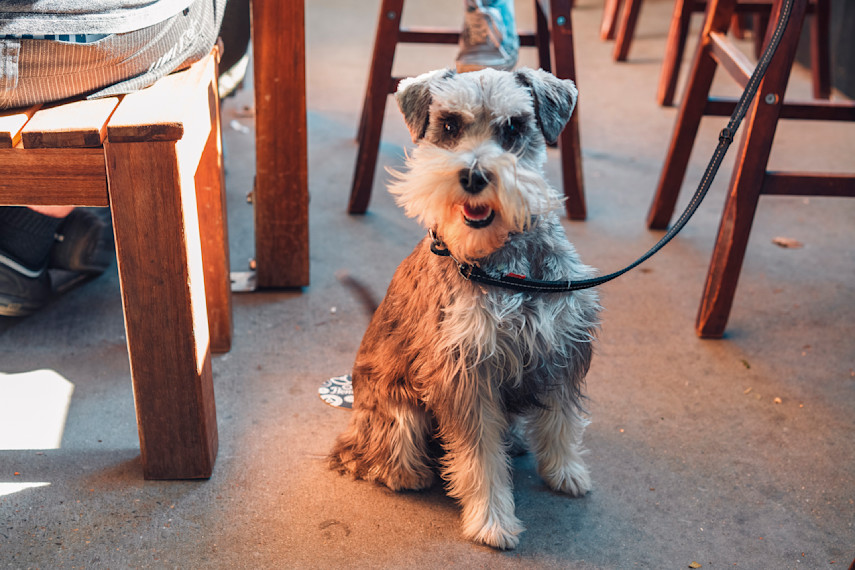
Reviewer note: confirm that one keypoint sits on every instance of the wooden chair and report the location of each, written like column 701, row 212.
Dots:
column 759, row 10
column 627, row 12
column 553, row 39
column 155, row 158
column 750, row 179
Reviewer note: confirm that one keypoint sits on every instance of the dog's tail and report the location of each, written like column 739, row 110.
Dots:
column 361, row 291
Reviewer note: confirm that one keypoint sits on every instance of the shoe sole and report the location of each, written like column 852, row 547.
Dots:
column 467, row 67
column 13, row 309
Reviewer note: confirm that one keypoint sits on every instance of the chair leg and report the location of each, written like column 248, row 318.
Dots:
column 156, row 224
column 610, row 17
column 568, row 143
column 374, row 105
column 760, row 27
column 541, row 37
column 819, row 50
column 747, row 183
column 626, row 30
column 211, row 200
column 678, row 33
column 688, row 119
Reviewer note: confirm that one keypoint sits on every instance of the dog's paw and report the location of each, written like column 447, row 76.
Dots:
column 495, row 527
column 342, row 459
column 572, row 478
column 504, row 536
column 407, row 480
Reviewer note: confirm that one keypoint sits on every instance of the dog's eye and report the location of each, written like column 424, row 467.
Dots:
column 451, row 126
column 511, row 131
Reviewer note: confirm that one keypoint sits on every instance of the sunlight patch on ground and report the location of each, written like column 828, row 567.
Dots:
column 9, row 488
column 33, row 408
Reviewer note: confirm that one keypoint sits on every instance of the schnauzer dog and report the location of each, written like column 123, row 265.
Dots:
column 473, row 367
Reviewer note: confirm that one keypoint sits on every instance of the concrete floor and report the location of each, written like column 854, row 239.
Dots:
column 731, row 453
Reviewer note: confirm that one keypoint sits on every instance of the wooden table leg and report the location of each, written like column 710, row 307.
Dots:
column 281, row 196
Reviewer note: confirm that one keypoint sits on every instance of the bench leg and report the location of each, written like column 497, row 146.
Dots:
column 159, row 256
column 213, row 228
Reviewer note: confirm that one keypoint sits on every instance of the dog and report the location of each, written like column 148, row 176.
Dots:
column 473, row 367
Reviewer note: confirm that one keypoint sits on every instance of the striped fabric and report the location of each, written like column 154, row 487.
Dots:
column 85, row 16
column 71, row 38
column 44, row 70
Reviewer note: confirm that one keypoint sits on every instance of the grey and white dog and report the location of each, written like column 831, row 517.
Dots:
column 474, row 367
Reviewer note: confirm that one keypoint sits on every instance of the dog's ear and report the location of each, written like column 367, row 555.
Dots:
column 554, row 100
column 414, row 98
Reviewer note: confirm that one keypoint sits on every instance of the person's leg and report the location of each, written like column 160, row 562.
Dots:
column 36, row 238
column 52, row 211
column 489, row 37
column 49, row 68
column 26, row 238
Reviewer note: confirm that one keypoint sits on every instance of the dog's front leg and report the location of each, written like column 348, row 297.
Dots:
column 386, row 442
column 477, row 468
column 555, row 434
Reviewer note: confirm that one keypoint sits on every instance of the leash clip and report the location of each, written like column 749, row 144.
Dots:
column 465, row 270
column 437, row 246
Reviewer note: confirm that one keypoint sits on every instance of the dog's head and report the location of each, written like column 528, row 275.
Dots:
column 477, row 172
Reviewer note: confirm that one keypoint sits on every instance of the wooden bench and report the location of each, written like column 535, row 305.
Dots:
column 155, row 158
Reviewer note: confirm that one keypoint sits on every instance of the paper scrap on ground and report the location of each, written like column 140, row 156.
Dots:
column 337, row 392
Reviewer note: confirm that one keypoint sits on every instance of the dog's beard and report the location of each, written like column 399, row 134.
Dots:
column 430, row 191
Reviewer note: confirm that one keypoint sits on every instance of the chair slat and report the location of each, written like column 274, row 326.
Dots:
column 730, row 58
column 159, row 113
column 74, row 124
column 11, row 123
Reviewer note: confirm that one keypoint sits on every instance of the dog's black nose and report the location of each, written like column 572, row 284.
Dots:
column 473, row 181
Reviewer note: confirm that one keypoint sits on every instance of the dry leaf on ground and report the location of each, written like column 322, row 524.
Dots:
column 788, row 243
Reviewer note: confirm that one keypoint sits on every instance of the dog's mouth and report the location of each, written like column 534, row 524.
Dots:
column 478, row 216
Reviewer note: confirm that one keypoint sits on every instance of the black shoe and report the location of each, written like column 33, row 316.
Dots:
column 84, row 243
column 22, row 292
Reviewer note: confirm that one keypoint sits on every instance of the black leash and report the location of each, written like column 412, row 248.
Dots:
column 725, row 138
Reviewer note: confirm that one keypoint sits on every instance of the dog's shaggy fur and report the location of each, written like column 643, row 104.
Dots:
column 470, row 366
